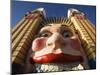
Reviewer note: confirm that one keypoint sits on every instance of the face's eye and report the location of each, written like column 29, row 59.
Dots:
column 66, row 34
column 45, row 34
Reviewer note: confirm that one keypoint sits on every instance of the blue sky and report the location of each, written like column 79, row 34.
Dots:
column 19, row 8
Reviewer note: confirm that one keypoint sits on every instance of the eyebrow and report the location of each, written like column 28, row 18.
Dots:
column 47, row 25
column 63, row 25
column 44, row 29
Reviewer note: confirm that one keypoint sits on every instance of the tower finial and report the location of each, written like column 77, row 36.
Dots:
column 41, row 11
column 73, row 11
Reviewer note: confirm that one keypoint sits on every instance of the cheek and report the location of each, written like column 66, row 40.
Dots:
column 75, row 43
column 38, row 44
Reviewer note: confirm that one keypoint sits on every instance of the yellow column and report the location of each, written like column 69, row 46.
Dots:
column 18, row 25
column 22, row 38
column 19, row 37
column 85, row 38
column 90, row 26
column 90, row 33
column 19, row 29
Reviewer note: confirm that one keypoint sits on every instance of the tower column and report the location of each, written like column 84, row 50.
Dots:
column 86, row 32
column 23, row 36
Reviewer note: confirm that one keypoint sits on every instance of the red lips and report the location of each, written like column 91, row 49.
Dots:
column 56, row 58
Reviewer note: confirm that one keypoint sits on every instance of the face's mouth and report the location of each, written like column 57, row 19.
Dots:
column 55, row 67
column 58, row 63
column 56, row 58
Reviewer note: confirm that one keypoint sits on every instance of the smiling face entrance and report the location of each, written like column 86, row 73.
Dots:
column 56, row 43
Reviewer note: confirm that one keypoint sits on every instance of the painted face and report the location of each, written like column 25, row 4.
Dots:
column 56, row 44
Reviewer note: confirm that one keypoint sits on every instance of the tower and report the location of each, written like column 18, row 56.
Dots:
column 24, row 33
column 22, row 36
column 86, row 32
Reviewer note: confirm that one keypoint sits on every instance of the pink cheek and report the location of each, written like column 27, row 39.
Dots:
column 75, row 43
column 38, row 44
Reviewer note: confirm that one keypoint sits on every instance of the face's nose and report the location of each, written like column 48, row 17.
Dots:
column 55, row 41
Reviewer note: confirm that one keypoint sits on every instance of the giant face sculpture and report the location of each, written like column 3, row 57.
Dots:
column 57, row 48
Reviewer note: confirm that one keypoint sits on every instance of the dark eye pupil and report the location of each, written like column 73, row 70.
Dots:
column 66, row 34
column 45, row 35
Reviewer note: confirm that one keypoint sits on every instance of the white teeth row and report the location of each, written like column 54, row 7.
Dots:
column 58, row 67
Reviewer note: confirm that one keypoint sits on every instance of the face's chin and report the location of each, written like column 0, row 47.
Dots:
column 57, row 58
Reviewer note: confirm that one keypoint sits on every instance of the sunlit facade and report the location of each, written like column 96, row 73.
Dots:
column 24, row 32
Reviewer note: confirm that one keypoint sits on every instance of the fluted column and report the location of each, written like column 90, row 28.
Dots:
column 23, row 35
column 86, row 32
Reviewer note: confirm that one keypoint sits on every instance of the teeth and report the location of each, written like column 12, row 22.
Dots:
column 75, row 68
column 80, row 67
column 46, row 68
column 38, row 67
column 50, row 68
column 54, row 67
column 42, row 67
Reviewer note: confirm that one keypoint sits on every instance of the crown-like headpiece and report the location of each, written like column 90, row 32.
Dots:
column 55, row 20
